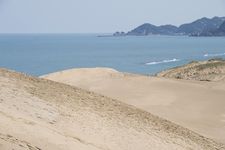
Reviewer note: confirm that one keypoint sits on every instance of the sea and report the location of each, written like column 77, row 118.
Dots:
column 39, row 54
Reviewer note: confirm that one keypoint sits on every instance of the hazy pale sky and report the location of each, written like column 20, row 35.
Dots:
column 100, row 16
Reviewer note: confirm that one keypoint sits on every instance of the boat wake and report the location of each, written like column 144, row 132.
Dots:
column 213, row 55
column 162, row 62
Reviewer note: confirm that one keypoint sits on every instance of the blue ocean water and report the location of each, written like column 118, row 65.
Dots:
column 39, row 54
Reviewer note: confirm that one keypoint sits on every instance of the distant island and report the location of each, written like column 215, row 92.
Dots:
column 202, row 27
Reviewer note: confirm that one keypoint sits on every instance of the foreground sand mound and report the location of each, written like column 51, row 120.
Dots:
column 211, row 70
column 199, row 106
column 41, row 114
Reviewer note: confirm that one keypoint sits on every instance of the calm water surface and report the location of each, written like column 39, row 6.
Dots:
column 39, row 54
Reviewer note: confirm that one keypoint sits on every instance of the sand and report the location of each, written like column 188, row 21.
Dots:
column 209, row 70
column 38, row 114
column 197, row 105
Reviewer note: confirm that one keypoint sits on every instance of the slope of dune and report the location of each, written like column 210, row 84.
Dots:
column 199, row 106
column 211, row 70
column 40, row 114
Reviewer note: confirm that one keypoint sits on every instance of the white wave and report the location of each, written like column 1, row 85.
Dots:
column 161, row 62
column 213, row 55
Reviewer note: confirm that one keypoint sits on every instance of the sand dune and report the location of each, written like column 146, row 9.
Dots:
column 40, row 114
column 199, row 106
column 211, row 70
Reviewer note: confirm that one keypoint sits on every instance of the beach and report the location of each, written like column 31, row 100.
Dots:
column 41, row 114
column 197, row 105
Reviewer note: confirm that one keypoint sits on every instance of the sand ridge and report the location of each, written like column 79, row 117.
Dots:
column 199, row 106
column 42, row 114
column 210, row 70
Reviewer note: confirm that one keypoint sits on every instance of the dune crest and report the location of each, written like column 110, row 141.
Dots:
column 197, row 105
column 41, row 114
column 211, row 70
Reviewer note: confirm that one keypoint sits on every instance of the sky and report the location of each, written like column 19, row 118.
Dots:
column 100, row 16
